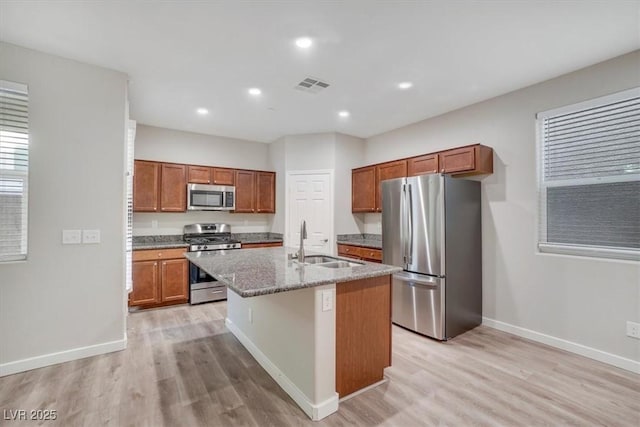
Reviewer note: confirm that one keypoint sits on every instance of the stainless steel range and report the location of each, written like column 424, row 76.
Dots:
column 207, row 237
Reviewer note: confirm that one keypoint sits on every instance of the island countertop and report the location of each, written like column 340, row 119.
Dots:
column 253, row 272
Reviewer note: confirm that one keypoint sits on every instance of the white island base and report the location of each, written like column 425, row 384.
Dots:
column 294, row 340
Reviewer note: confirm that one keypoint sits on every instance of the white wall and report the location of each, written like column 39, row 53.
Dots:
column 349, row 154
column 583, row 300
column 324, row 151
column 67, row 299
column 167, row 145
column 294, row 340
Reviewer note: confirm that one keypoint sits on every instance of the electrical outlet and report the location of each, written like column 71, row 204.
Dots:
column 633, row 330
column 71, row 237
column 90, row 236
column 327, row 300
column 250, row 315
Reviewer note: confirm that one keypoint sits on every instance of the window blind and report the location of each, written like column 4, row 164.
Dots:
column 131, row 136
column 14, row 169
column 589, row 177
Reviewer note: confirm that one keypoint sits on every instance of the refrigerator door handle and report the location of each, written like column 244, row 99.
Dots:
column 403, row 223
column 411, row 279
column 410, row 225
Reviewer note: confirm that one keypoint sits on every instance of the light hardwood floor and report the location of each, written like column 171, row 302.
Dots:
column 182, row 367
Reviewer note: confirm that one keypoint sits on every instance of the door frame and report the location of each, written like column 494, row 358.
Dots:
column 287, row 204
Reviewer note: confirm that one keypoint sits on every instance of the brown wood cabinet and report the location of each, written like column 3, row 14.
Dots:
column 146, row 181
column 464, row 161
column 209, row 175
column 255, row 192
column 422, row 165
column 159, row 187
column 389, row 170
column 160, row 277
column 360, row 252
column 245, row 191
column 173, row 188
column 363, row 189
column 261, row 245
column 198, row 175
column 265, row 192
column 223, row 176
column 363, row 333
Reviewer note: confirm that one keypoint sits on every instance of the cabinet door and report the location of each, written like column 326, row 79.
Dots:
column 422, row 165
column 458, row 160
column 245, row 191
column 266, row 192
column 175, row 280
column 222, row 176
column 173, row 188
column 145, row 275
column 146, row 177
column 390, row 170
column 199, row 174
column 363, row 189
column 261, row 245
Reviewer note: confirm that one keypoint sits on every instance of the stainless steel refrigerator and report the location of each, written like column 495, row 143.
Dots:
column 431, row 228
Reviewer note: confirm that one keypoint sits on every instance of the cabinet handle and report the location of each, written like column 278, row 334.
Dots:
column 159, row 254
column 164, row 263
column 155, row 264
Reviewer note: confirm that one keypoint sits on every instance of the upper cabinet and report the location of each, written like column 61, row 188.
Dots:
column 363, row 189
column 465, row 161
column 162, row 187
column 245, row 191
column 266, row 192
column 173, row 188
column 146, row 182
column 208, row 175
column 423, row 164
column 389, row 170
column 159, row 187
column 223, row 176
column 366, row 189
column 255, row 192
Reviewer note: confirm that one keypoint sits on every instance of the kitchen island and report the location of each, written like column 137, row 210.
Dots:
column 322, row 333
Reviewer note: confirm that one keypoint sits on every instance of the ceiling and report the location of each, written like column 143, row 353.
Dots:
column 181, row 56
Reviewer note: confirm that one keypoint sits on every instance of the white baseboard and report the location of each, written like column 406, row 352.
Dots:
column 61, row 357
column 315, row 411
column 582, row 350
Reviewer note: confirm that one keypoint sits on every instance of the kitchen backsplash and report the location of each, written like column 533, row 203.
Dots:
column 154, row 224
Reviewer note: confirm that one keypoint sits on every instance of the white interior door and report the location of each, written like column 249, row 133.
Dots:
column 310, row 198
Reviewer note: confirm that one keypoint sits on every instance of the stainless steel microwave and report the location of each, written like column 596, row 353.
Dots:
column 202, row 197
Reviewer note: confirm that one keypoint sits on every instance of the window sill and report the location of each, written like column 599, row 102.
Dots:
column 606, row 254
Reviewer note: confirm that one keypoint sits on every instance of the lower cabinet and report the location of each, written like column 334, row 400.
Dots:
column 160, row 277
column 363, row 333
column 261, row 245
column 360, row 252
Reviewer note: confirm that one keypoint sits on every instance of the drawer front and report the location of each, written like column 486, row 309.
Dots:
column 349, row 251
column 208, row 294
column 371, row 254
column 153, row 254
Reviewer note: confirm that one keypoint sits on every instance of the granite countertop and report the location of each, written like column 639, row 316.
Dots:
column 373, row 241
column 253, row 272
column 175, row 240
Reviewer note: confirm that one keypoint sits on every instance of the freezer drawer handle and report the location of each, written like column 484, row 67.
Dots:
column 417, row 282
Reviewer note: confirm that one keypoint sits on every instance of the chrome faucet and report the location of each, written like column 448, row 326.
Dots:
column 303, row 235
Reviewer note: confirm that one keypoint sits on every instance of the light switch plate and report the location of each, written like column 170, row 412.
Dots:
column 90, row 236
column 71, row 237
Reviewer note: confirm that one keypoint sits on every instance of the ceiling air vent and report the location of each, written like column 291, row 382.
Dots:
column 312, row 85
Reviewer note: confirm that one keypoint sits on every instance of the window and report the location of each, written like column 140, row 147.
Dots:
column 14, row 168
column 131, row 136
column 589, row 177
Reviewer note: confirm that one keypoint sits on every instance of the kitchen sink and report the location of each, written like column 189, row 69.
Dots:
column 329, row 262
column 339, row 264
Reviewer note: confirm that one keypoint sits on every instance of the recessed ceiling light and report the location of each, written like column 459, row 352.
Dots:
column 405, row 85
column 202, row 111
column 343, row 113
column 254, row 91
column 304, row 42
